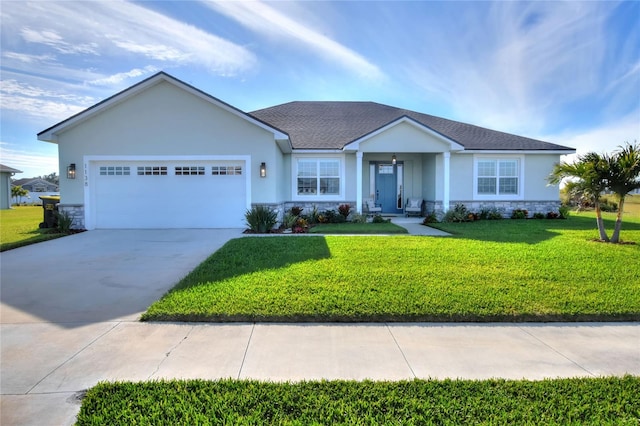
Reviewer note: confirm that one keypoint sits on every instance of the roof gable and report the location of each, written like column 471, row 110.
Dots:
column 441, row 139
column 51, row 134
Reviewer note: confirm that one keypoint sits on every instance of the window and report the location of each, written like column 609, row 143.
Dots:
column 498, row 177
column 189, row 170
column 226, row 170
column 152, row 171
column 115, row 171
column 318, row 176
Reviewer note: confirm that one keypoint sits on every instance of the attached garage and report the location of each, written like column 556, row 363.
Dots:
column 167, row 193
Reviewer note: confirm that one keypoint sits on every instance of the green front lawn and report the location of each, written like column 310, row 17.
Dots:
column 514, row 270
column 505, row 402
column 358, row 228
column 19, row 227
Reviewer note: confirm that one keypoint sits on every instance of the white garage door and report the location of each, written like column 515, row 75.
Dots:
column 169, row 194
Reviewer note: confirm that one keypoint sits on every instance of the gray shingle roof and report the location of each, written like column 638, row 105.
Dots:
column 332, row 125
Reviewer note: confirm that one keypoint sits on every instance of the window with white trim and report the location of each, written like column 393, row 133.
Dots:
column 189, row 170
column 115, row 171
column 318, row 176
column 152, row 171
column 226, row 170
column 498, row 176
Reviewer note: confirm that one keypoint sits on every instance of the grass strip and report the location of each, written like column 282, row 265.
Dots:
column 580, row 401
column 19, row 227
column 358, row 228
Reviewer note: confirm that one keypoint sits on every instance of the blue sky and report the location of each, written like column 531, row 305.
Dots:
column 564, row 72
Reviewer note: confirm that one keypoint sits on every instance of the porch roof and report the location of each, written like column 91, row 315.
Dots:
column 333, row 125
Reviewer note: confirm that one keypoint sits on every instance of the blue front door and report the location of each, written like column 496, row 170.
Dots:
column 387, row 188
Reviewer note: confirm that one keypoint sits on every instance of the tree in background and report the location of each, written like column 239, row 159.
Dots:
column 623, row 177
column 588, row 177
column 18, row 192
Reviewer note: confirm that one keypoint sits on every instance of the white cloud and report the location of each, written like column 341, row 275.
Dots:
column 53, row 39
column 601, row 139
column 514, row 65
column 27, row 58
column 117, row 30
column 27, row 161
column 40, row 103
column 120, row 77
column 266, row 20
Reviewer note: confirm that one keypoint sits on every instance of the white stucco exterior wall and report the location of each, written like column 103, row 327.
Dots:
column 537, row 170
column 165, row 120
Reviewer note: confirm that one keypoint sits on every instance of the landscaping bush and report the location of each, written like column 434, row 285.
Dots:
column 430, row 218
column 344, row 210
column 379, row 219
column 553, row 215
column 261, row 219
column 608, row 206
column 63, row 222
column 457, row 214
column 564, row 211
column 538, row 215
column 519, row 214
column 289, row 220
column 296, row 211
column 313, row 217
column 301, row 226
column 359, row 218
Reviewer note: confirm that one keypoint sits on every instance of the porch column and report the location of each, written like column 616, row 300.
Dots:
column 359, row 182
column 445, row 197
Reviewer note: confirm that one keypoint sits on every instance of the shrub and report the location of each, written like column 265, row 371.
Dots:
column 538, row 215
column 261, row 219
column 344, row 210
column 289, row 220
column 430, row 218
column 492, row 213
column 313, row 216
column 457, row 214
column 608, row 206
column 359, row 218
column 552, row 215
column 301, row 226
column 63, row 222
column 519, row 214
column 296, row 211
column 379, row 219
column 564, row 211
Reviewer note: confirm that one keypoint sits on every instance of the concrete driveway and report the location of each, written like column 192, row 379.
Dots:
column 60, row 296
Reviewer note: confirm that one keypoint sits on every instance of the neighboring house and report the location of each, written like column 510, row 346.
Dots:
column 5, row 185
column 36, row 185
column 135, row 159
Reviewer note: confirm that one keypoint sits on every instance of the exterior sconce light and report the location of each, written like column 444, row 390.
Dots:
column 71, row 171
column 263, row 169
column 394, row 159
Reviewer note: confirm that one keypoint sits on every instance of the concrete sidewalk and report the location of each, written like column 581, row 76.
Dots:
column 415, row 227
column 41, row 377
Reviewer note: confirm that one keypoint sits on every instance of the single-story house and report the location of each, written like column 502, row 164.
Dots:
column 36, row 185
column 135, row 159
column 5, row 185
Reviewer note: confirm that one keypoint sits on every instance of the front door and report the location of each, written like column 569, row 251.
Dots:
column 388, row 190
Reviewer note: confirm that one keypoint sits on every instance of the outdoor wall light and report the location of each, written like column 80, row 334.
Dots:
column 394, row 159
column 71, row 171
column 263, row 169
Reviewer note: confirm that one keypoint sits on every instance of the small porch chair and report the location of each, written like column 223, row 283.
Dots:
column 413, row 207
column 371, row 206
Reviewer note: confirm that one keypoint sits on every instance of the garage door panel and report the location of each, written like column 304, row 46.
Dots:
column 170, row 195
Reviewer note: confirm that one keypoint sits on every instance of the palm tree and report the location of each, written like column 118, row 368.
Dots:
column 624, row 177
column 590, row 172
column 18, row 192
